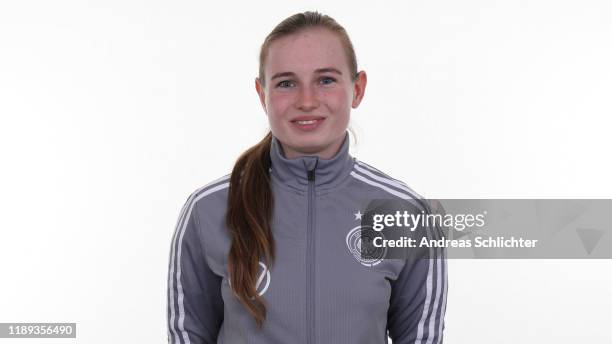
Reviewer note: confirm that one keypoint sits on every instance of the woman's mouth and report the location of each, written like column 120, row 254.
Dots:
column 307, row 123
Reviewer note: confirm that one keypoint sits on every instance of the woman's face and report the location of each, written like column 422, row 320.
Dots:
column 309, row 92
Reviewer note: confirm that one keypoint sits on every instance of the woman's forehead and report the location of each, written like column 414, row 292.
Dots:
column 305, row 52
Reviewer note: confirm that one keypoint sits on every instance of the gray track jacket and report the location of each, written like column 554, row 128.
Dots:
column 318, row 290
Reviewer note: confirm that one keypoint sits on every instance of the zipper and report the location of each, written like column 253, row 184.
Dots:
column 310, row 256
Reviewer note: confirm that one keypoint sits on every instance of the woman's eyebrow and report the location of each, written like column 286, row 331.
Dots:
column 320, row 70
column 328, row 70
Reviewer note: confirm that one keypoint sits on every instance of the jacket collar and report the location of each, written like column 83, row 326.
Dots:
column 327, row 172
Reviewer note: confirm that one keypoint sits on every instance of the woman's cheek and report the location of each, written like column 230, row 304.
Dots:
column 340, row 95
column 279, row 103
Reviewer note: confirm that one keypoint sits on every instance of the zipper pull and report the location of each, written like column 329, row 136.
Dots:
column 311, row 175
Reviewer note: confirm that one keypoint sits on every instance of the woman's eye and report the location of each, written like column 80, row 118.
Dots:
column 283, row 84
column 325, row 80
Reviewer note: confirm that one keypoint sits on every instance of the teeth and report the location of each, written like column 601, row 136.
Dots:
column 307, row 122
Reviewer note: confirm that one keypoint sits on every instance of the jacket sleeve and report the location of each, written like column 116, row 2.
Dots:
column 195, row 306
column 418, row 298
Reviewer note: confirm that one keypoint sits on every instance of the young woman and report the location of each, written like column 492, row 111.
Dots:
column 267, row 254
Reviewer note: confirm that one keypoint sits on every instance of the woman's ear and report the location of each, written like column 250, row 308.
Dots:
column 261, row 94
column 359, row 88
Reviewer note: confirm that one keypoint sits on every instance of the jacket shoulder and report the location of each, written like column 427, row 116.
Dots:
column 214, row 191
column 383, row 186
column 378, row 179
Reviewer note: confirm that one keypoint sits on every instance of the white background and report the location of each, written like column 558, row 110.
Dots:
column 112, row 112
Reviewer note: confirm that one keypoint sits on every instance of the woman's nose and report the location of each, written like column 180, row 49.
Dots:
column 307, row 99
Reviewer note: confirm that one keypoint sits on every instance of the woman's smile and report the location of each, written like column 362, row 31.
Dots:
column 307, row 123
